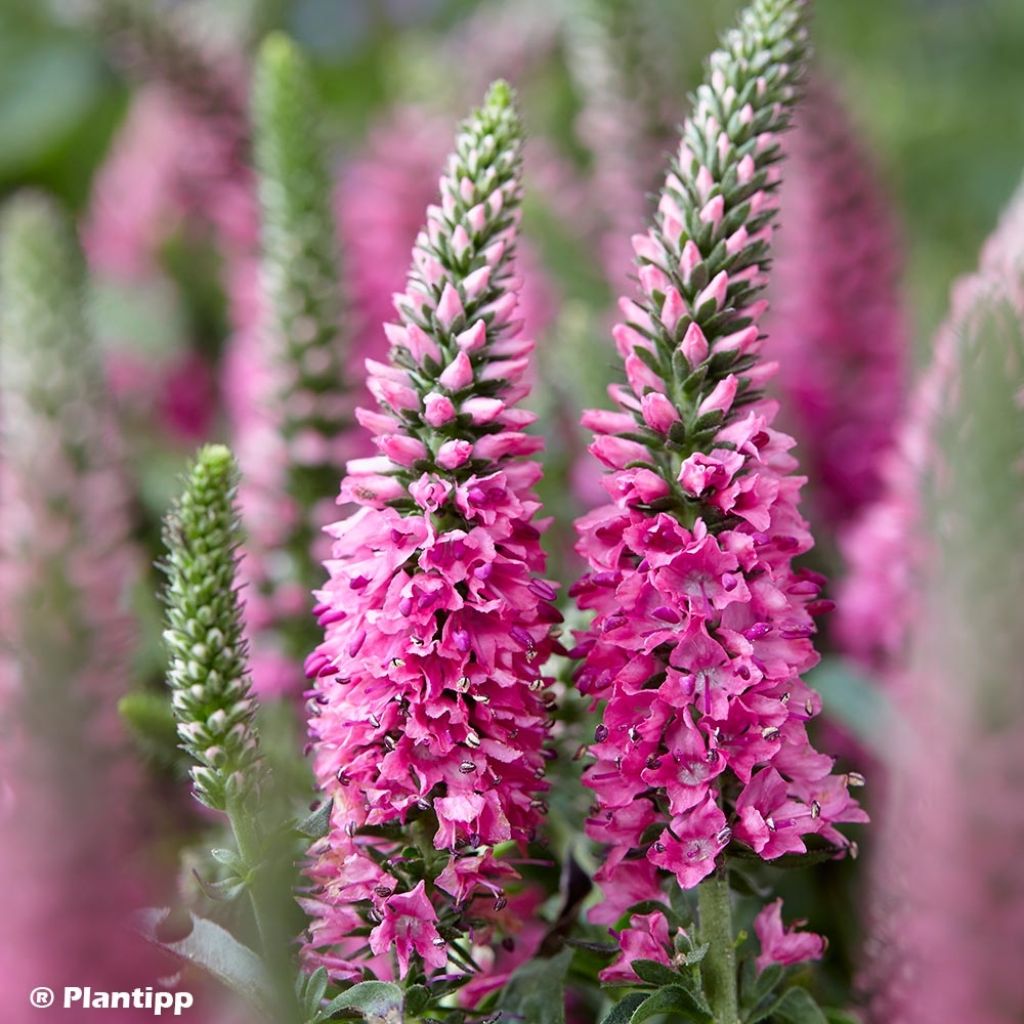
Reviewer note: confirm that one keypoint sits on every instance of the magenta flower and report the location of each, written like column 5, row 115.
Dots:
column 428, row 700
column 837, row 328
column 646, row 938
column 702, row 624
column 409, row 925
column 781, row 945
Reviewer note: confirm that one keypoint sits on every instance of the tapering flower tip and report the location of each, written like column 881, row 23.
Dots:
column 207, row 670
column 39, row 260
column 428, row 693
column 702, row 624
column 300, row 260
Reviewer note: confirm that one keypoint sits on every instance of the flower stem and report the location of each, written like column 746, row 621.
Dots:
column 247, row 840
column 719, row 966
column 266, row 906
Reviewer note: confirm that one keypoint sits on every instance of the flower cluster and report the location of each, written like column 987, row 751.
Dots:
column 428, row 703
column 702, row 624
column 836, row 327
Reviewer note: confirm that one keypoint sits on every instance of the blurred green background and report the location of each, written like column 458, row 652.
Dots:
column 936, row 85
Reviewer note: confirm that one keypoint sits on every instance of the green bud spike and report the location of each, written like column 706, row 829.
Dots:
column 208, row 671
column 301, row 277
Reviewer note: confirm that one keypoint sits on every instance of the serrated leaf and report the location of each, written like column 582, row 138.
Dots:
column 655, row 973
column 673, row 999
column 317, row 823
column 216, row 951
column 380, row 1002
column 622, row 1012
column 797, row 1006
column 536, row 990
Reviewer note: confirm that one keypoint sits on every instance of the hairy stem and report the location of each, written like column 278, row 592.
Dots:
column 719, row 966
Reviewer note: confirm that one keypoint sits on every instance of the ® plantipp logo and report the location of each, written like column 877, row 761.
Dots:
column 86, row 998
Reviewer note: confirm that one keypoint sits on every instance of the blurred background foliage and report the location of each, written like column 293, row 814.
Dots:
column 934, row 84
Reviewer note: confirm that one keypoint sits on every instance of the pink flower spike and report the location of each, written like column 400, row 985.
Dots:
column 699, row 624
column 433, row 610
column 785, row 946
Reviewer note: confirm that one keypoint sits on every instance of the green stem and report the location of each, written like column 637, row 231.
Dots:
column 719, row 965
column 273, row 942
column 247, row 840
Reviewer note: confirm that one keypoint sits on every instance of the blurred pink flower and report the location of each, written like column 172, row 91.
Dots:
column 781, row 945
column 837, row 326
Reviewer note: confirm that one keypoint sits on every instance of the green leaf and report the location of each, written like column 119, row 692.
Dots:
column 766, row 981
column 216, row 951
column 536, row 990
column 312, row 992
column 797, row 1006
column 622, row 1013
column 316, row 824
column 416, row 999
column 695, row 956
column 655, row 973
column 674, row 1000
column 840, row 1017
column 380, row 1002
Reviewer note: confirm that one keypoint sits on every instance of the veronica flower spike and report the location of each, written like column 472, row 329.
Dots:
column 702, row 625
column 428, row 716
